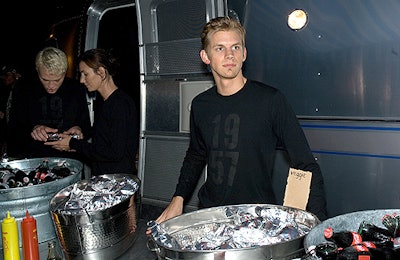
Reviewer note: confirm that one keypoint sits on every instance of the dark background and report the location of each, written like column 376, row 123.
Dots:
column 25, row 27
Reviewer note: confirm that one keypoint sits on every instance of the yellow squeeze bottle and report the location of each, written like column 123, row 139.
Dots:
column 9, row 232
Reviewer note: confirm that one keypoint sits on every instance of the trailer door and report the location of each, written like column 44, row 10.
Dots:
column 172, row 73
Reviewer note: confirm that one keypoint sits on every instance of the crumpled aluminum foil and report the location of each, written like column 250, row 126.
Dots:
column 98, row 194
column 241, row 229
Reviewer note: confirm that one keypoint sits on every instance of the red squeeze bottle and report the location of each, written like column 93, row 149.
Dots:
column 30, row 243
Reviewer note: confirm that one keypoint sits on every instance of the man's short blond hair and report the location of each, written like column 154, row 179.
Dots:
column 221, row 24
column 53, row 60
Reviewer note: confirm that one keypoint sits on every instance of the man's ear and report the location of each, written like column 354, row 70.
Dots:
column 204, row 57
column 244, row 54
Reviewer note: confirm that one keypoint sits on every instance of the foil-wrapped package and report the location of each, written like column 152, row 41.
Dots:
column 97, row 194
column 52, row 137
column 242, row 228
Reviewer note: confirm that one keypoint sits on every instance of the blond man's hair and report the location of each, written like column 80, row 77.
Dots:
column 53, row 60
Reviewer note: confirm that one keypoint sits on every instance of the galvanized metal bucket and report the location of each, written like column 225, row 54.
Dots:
column 36, row 198
column 101, row 234
column 346, row 222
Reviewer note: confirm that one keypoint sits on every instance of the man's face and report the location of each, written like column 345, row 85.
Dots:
column 225, row 54
column 9, row 78
column 51, row 83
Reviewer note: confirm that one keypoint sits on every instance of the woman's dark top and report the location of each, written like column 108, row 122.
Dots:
column 115, row 137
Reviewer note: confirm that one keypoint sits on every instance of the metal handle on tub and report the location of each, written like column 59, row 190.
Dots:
column 152, row 246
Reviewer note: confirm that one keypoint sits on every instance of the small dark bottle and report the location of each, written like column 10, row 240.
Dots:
column 18, row 184
column 355, row 252
column 381, row 237
column 4, row 186
column 43, row 167
column 21, row 177
column 386, row 253
column 10, row 180
column 3, row 172
column 52, row 251
column 392, row 223
column 47, row 177
column 342, row 238
column 327, row 251
column 33, row 177
column 61, row 171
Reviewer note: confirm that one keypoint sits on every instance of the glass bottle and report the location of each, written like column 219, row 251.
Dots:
column 327, row 251
column 52, row 251
column 43, row 167
column 4, row 186
column 371, row 232
column 33, row 177
column 21, row 177
column 10, row 180
column 342, row 238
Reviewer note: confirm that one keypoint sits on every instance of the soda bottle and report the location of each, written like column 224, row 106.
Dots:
column 386, row 253
column 43, row 168
column 381, row 237
column 52, row 251
column 4, row 186
column 30, row 243
column 354, row 252
column 9, row 231
column 327, row 251
column 21, row 177
column 61, row 171
column 33, row 177
column 47, row 177
column 3, row 172
column 392, row 223
column 342, row 238
column 8, row 178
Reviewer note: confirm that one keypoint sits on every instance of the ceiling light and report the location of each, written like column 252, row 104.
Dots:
column 297, row 19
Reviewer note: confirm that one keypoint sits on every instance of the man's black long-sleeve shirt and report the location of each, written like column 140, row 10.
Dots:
column 32, row 105
column 236, row 137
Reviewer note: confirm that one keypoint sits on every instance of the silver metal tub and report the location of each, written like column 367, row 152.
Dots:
column 346, row 222
column 36, row 198
column 284, row 250
column 102, row 234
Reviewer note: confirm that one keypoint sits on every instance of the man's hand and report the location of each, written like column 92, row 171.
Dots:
column 40, row 132
column 175, row 208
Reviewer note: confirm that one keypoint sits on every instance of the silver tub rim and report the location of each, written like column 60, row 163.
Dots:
column 266, row 251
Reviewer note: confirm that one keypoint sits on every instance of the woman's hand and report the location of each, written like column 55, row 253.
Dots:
column 75, row 131
column 62, row 144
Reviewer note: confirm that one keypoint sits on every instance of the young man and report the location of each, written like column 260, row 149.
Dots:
column 235, row 129
column 52, row 103
column 9, row 79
